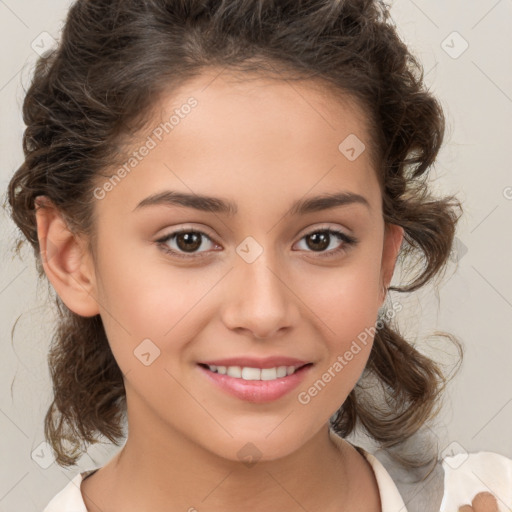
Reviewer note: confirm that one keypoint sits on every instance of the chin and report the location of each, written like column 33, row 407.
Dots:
column 250, row 449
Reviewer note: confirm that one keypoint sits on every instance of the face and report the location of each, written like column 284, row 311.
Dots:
column 267, row 276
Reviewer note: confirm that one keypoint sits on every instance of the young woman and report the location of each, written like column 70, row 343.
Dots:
column 287, row 144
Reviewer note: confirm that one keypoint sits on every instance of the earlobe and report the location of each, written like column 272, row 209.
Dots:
column 393, row 237
column 65, row 260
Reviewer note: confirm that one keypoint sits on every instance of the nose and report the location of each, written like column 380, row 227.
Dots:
column 260, row 299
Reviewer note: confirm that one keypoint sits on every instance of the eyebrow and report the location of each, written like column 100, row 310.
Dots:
column 217, row 205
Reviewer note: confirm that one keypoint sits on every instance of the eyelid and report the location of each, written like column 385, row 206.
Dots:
column 348, row 242
column 162, row 241
column 203, row 230
column 186, row 228
column 322, row 227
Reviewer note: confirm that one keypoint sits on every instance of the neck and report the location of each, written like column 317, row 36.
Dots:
column 171, row 473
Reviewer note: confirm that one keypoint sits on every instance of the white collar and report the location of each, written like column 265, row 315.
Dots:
column 390, row 498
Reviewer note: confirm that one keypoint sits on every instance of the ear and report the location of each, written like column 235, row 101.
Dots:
column 393, row 236
column 66, row 261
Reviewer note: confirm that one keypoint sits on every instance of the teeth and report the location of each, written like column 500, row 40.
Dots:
column 251, row 373
column 234, row 371
column 247, row 373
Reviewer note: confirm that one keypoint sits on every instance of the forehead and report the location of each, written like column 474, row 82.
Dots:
column 253, row 106
column 252, row 138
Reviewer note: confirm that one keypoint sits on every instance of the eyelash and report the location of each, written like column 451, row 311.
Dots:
column 347, row 239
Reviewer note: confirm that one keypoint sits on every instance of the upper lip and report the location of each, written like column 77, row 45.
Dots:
column 252, row 362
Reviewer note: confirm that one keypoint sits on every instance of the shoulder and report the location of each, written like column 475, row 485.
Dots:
column 69, row 499
column 467, row 474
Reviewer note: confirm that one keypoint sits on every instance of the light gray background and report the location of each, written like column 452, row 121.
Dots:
column 475, row 298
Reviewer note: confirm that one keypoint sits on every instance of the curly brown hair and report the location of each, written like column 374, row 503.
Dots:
column 97, row 89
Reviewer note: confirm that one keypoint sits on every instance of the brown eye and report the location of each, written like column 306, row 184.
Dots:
column 189, row 241
column 320, row 240
column 185, row 243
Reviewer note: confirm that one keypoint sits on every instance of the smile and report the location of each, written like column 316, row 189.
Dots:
column 255, row 385
column 248, row 373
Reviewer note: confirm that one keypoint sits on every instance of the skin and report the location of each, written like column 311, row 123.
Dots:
column 482, row 502
column 262, row 144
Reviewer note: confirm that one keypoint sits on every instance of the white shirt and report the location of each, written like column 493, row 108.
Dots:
column 465, row 475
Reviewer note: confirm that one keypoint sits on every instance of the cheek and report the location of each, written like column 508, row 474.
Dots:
column 156, row 303
column 348, row 329
column 345, row 306
column 345, row 299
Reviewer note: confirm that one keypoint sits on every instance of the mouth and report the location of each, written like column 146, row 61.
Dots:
column 251, row 373
column 256, row 385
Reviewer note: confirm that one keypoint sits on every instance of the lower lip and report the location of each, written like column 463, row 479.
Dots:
column 257, row 391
